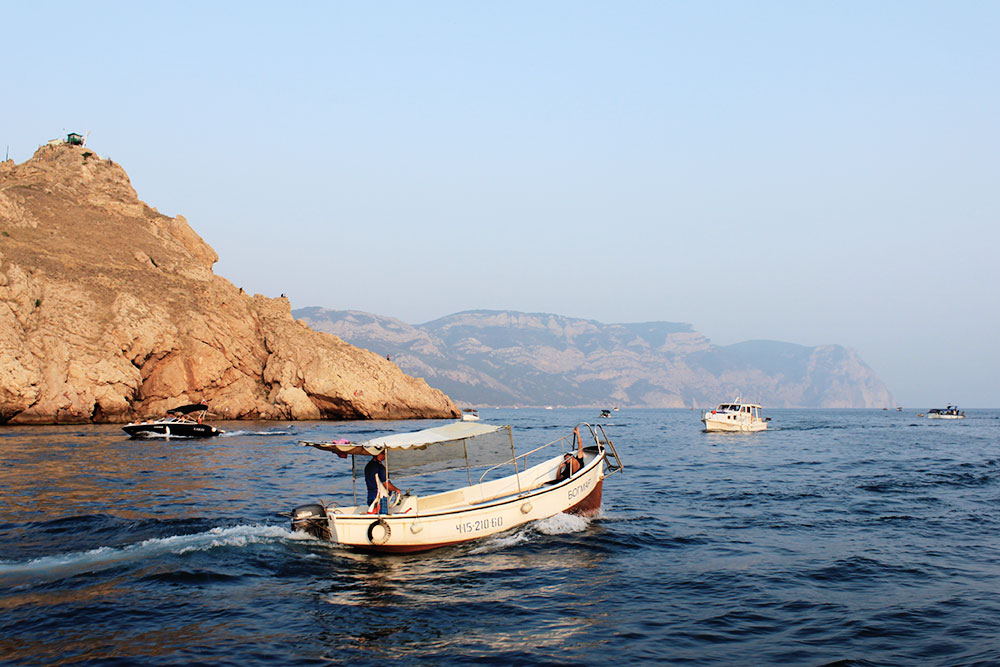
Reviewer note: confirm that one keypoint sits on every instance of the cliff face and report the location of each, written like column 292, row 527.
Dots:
column 511, row 358
column 110, row 311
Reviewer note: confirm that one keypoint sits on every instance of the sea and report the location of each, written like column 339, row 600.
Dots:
column 847, row 537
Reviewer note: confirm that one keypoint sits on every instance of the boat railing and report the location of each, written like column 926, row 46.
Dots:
column 523, row 458
column 598, row 434
column 610, row 453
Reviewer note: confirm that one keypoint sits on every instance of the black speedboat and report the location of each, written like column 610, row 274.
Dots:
column 185, row 421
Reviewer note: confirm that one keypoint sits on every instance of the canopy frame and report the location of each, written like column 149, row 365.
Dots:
column 459, row 431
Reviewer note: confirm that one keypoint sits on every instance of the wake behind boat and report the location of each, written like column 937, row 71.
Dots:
column 569, row 478
column 185, row 421
column 736, row 417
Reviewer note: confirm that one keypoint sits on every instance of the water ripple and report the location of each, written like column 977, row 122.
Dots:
column 837, row 537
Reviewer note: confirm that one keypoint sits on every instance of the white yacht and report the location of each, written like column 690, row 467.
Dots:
column 735, row 416
column 950, row 412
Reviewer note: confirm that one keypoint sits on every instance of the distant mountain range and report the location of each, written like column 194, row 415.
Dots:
column 508, row 358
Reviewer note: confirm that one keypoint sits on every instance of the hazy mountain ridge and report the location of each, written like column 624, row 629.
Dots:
column 511, row 358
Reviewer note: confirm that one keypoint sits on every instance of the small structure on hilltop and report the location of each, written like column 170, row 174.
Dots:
column 73, row 139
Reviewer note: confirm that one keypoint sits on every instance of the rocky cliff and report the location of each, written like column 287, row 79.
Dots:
column 110, row 311
column 511, row 358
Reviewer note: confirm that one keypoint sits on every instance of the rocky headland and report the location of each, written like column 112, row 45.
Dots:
column 110, row 311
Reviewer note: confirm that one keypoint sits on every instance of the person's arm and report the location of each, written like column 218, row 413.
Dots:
column 392, row 487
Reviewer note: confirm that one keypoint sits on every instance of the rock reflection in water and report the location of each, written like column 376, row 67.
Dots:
column 90, row 470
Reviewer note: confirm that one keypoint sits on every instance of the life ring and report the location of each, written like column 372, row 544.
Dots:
column 378, row 537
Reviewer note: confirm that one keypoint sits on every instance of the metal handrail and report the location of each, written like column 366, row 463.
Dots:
column 593, row 434
column 618, row 465
column 520, row 456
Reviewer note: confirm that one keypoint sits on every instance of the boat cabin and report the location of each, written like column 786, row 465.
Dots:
column 751, row 410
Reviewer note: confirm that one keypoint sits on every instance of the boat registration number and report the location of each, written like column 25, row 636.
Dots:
column 479, row 525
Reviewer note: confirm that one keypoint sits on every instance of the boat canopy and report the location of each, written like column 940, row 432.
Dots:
column 453, row 445
column 188, row 409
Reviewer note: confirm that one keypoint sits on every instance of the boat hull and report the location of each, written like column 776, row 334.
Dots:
column 171, row 430
column 407, row 533
column 934, row 416
column 733, row 426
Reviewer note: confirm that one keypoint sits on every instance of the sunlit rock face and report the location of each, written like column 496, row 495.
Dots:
column 512, row 358
column 110, row 311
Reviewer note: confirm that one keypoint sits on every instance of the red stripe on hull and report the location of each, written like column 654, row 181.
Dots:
column 404, row 548
column 591, row 504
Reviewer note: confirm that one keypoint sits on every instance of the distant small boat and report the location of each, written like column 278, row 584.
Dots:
column 185, row 421
column 735, row 416
column 548, row 407
column 605, row 414
column 470, row 415
column 950, row 412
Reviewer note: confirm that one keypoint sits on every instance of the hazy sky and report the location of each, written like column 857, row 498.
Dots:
column 811, row 172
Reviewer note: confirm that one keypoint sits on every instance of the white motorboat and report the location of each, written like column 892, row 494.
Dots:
column 470, row 415
column 736, row 416
column 568, row 478
column 950, row 412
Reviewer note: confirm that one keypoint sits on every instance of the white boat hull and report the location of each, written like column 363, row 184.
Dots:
column 936, row 416
column 713, row 424
column 417, row 526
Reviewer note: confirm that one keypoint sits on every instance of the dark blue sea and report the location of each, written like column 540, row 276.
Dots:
column 856, row 537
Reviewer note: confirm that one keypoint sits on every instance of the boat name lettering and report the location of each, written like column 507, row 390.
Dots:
column 577, row 490
column 479, row 524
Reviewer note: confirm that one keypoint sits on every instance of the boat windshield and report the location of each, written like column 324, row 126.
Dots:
column 188, row 409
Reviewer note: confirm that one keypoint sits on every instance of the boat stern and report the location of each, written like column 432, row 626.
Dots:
column 311, row 519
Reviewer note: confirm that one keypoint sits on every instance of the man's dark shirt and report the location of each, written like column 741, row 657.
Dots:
column 373, row 468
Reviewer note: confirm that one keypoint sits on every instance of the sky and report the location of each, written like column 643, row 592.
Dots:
column 810, row 172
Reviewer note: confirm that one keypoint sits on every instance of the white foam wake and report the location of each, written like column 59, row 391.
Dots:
column 561, row 524
column 501, row 542
column 63, row 565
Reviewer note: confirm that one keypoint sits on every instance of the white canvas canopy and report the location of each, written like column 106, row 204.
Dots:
column 435, row 447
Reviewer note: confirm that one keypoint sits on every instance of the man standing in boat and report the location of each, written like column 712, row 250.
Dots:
column 375, row 473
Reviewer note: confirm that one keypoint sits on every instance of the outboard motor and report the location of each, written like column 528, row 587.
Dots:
column 311, row 519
